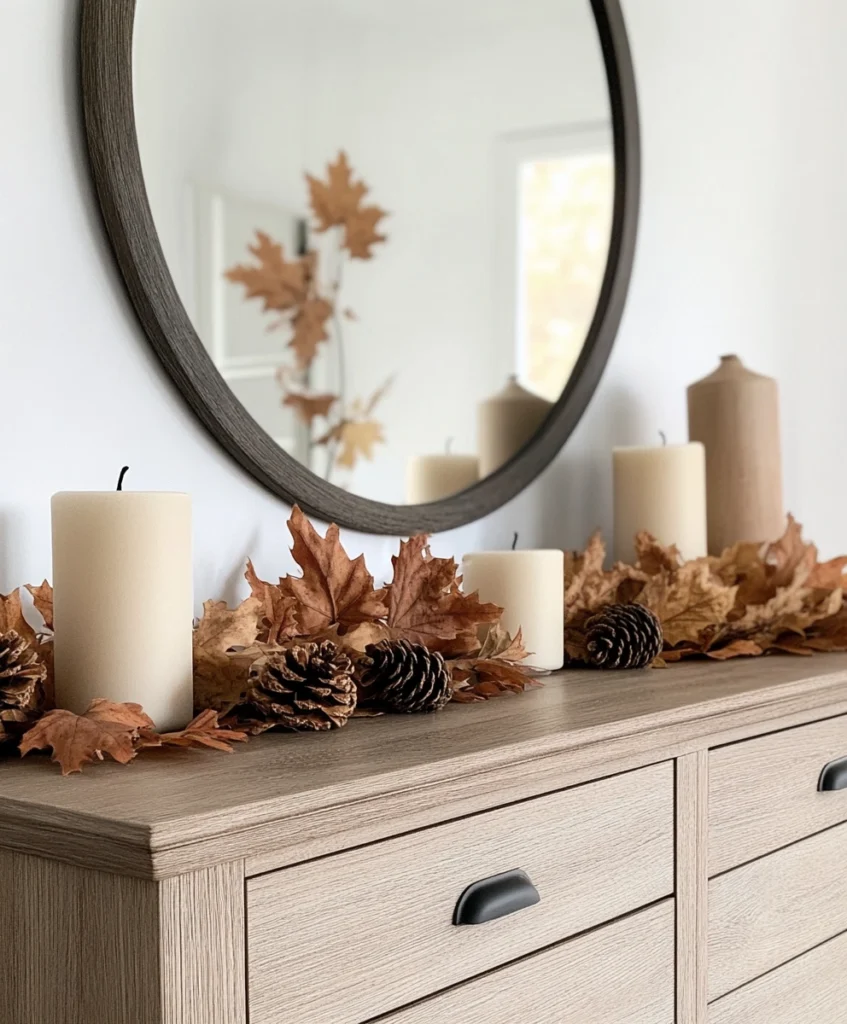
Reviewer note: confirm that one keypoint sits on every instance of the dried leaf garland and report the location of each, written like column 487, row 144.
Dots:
column 494, row 670
column 750, row 600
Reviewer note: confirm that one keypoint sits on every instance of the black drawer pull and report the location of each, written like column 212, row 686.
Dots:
column 495, row 897
column 833, row 776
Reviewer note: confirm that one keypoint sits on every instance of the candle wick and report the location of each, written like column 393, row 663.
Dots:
column 123, row 473
column 515, row 540
column 448, row 444
column 663, row 437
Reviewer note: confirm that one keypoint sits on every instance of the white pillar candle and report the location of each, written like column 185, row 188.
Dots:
column 123, row 605
column 530, row 587
column 661, row 490
column 433, row 477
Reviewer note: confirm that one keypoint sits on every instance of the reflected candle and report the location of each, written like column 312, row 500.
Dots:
column 123, row 604
column 661, row 490
column 433, row 477
column 530, row 587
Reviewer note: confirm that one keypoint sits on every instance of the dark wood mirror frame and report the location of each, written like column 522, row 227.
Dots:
column 106, row 65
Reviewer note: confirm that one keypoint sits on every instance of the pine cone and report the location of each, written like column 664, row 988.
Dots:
column 404, row 677
column 20, row 675
column 304, row 686
column 623, row 636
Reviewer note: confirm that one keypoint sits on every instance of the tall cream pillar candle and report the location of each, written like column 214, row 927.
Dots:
column 123, row 606
column 433, row 477
column 530, row 587
column 661, row 490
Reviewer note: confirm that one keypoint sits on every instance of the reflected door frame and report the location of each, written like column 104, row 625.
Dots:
column 512, row 152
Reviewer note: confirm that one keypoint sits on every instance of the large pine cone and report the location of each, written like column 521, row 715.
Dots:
column 20, row 675
column 401, row 676
column 623, row 636
column 304, row 686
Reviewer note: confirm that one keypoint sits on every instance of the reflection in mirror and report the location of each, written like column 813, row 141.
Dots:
column 389, row 222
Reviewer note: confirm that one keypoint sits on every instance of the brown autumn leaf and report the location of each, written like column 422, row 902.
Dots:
column 281, row 284
column 337, row 199
column 309, row 325
column 425, row 603
column 652, row 557
column 687, row 602
column 357, row 441
column 203, row 731
column 279, row 608
column 308, row 407
column 334, row 589
column 494, row 670
column 790, row 556
column 105, row 728
column 218, row 679
column 735, row 649
column 829, row 575
column 12, row 618
column 42, row 599
column 360, row 232
column 588, row 587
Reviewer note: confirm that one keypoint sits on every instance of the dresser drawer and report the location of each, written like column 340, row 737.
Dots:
column 766, row 912
column 350, row 936
column 763, row 792
column 810, row 990
column 622, row 973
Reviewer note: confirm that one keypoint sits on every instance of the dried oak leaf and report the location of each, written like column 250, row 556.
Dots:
column 790, row 556
column 334, row 589
column 308, row 407
column 281, row 284
column 309, row 325
column 735, row 649
column 425, row 603
column 279, row 608
column 203, row 731
column 360, row 232
column 829, row 575
column 42, row 599
column 337, row 199
column 219, row 680
column 687, row 602
column 105, row 728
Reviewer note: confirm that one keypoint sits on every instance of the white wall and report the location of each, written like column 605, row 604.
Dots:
column 741, row 249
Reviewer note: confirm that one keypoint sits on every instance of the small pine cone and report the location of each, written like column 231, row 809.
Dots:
column 306, row 686
column 401, row 676
column 21, row 672
column 623, row 636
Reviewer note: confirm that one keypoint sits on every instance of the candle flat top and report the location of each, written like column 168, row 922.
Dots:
column 683, row 445
column 159, row 813
column 121, row 494
column 522, row 552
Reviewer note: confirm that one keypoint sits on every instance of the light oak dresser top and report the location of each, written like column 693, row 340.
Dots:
column 285, row 798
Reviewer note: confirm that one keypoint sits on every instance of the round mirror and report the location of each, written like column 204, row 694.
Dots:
column 381, row 247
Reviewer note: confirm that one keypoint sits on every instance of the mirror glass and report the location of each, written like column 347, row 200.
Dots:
column 388, row 221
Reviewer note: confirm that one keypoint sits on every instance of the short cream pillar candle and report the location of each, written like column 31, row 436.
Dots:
column 661, row 490
column 433, row 477
column 530, row 587
column 123, row 604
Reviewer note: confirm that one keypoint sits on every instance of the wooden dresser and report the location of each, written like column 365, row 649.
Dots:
column 660, row 847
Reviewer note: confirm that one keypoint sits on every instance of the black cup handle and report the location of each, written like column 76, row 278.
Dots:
column 495, row 897
column 833, row 776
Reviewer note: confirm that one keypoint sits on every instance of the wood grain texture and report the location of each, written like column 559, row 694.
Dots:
column 763, row 792
column 79, row 946
column 773, row 909
column 107, row 28
column 619, row 974
column 385, row 912
column 810, row 990
column 692, row 921
column 202, row 947
column 285, row 798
